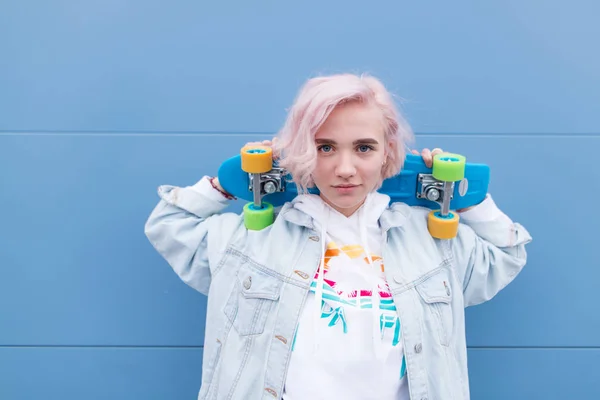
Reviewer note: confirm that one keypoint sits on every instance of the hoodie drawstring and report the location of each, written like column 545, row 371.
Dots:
column 321, row 273
column 375, row 298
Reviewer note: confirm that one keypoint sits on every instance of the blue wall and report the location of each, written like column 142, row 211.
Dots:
column 102, row 101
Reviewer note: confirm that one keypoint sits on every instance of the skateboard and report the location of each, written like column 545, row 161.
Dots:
column 451, row 184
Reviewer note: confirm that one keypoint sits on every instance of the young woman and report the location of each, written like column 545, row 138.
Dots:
column 345, row 296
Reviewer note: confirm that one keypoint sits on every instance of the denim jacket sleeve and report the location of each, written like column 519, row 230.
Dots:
column 489, row 251
column 187, row 228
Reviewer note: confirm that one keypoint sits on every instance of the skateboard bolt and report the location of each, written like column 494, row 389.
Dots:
column 433, row 194
column 270, row 187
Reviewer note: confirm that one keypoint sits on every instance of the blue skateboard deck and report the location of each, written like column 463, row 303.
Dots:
column 404, row 187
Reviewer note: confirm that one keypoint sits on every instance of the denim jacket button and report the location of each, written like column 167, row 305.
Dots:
column 302, row 274
column 314, row 238
column 418, row 348
column 247, row 283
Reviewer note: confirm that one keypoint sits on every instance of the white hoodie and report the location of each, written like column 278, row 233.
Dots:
column 348, row 344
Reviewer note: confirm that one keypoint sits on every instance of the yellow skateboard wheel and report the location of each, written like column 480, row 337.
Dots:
column 257, row 159
column 442, row 227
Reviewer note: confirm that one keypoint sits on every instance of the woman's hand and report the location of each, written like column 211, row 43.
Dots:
column 268, row 143
column 428, row 155
column 215, row 181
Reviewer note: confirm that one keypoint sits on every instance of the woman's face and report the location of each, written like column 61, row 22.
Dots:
column 350, row 155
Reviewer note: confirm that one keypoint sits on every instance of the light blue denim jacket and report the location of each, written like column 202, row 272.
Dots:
column 257, row 282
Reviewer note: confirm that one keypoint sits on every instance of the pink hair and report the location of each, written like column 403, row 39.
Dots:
column 315, row 101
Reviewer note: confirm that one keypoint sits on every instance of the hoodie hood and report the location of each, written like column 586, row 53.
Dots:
column 314, row 206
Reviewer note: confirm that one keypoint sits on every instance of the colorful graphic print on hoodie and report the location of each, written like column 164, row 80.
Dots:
column 348, row 344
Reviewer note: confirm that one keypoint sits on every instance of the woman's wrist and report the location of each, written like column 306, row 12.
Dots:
column 216, row 185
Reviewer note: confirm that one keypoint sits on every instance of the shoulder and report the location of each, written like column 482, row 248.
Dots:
column 401, row 214
column 287, row 222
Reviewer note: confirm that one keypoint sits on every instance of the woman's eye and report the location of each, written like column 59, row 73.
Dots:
column 364, row 148
column 325, row 148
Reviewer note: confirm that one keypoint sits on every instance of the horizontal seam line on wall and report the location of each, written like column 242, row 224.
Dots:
column 35, row 346
column 533, row 347
column 215, row 133
column 200, row 347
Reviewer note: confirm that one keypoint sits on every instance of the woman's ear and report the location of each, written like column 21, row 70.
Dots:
column 389, row 149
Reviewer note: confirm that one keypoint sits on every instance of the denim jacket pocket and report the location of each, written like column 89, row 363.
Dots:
column 436, row 293
column 252, row 298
